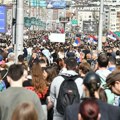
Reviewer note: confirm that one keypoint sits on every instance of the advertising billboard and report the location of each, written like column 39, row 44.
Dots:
column 56, row 4
column 89, row 26
column 3, row 12
column 38, row 3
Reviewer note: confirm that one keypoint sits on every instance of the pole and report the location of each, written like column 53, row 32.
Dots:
column 13, row 22
column 100, row 26
column 19, row 29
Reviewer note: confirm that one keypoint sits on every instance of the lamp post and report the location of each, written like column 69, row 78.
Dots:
column 100, row 26
column 19, row 28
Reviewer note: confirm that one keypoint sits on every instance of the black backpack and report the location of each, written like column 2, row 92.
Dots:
column 68, row 93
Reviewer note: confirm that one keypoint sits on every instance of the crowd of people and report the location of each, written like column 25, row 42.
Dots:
column 31, row 88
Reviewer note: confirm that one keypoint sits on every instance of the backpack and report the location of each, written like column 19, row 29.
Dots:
column 68, row 93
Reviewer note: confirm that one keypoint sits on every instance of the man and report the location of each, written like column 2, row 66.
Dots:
column 71, row 65
column 16, row 94
column 112, row 63
column 11, row 59
column 103, row 72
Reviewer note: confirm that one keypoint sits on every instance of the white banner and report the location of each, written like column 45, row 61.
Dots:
column 57, row 37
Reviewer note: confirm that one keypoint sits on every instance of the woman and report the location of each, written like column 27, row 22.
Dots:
column 39, row 84
column 89, row 110
column 91, row 86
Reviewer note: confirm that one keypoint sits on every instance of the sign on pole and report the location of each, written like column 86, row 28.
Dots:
column 3, row 12
column 74, row 22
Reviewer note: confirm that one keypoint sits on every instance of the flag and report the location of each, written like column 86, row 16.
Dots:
column 92, row 38
column 112, row 36
column 76, row 42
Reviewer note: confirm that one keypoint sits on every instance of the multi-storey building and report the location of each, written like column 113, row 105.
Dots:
column 90, row 14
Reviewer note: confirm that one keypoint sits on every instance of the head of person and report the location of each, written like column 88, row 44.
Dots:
column 25, row 111
column 112, row 60
column 89, row 110
column 15, row 73
column 84, row 68
column 88, row 56
column 11, row 56
column 38, row 81
column 94, row 55
column 102, row 60
column 71, row 64
column 43, row 62
column 91, row 86
column 113, row 82
column 50, row 73
column 21, row 59
column 61, row 62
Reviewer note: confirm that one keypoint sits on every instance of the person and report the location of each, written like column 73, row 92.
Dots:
column 112, row 63
column 94, row 60
column 21, row 59
column 103, row 72
column 61, row 53
column 3, row 73
column 25, row 111
column 84, row 68
column 46, row 52
column 11, row 59
column 71, row 65
column 16, row 94
column 91, row 86
column 2, row 83
column 49, row 74
column 89, row 110
column 39, row 84
column 113, row 82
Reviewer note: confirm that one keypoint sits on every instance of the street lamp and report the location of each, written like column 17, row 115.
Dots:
column 100, row 26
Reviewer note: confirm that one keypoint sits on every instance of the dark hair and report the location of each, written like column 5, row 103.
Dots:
column 25, row 111
column 15, row 72
column 112, row 60
column 21, row 58
column 89, row 109
column 103, row 60
column 52, row 73
column 71, row 63
column 112, row 77
column 92, row 82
